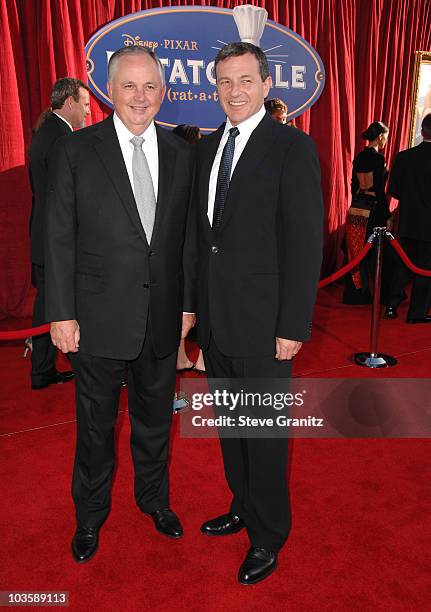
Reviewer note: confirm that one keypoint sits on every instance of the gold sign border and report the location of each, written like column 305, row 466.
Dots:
column 421, row 57
column 197, row 10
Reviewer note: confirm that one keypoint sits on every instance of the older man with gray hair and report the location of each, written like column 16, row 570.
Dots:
column 117, row 284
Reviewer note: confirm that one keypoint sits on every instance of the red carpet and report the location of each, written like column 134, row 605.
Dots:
column 361, row 527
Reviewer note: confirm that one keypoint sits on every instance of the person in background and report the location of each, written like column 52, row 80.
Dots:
column 192, row 134
column 369, row 209
column 278, row 110
column 410, row 183
column 70, row 106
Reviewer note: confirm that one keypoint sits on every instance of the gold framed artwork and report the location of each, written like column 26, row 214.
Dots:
column 421, row 95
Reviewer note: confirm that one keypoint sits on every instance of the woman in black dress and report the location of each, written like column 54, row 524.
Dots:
column 369, row 209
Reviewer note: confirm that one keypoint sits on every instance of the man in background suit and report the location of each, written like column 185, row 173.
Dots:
column 260, row 230
column 410, row 183
column 70, row 105
column 277, row 109
column 116, row 285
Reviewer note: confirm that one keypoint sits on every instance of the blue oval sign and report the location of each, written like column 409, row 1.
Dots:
column 186, row 39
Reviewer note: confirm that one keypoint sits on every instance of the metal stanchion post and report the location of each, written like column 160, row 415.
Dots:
column 373, row 359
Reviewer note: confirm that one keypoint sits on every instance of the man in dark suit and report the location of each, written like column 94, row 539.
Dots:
column 410, row 183
column 116, row 285
column 70, row 105
column 260, row 229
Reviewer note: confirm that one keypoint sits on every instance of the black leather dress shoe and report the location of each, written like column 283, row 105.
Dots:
column 258, row 565
column 56, row 379
column 390, row 312
column 425, row 319
column 167, row 523
column 226, row 524
column 85, row 543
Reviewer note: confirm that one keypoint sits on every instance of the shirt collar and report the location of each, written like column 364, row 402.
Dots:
column 249, row 125
column 125, row 135
column 63, row 119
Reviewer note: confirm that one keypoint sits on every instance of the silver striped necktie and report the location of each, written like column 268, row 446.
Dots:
column 143, row 187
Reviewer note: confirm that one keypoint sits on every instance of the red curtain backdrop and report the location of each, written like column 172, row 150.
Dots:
column 367, row 47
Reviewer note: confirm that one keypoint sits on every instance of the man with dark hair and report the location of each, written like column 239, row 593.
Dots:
column 277, row 109
column 426, row 128
column 116, row 288
column 410, row 183
column 70, row 96
column 70, row 105
column 260, row 231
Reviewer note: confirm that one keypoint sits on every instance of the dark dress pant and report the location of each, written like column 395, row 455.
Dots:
column 255, row 468
column 44, row 353
column 151, row 385
column 419, row 251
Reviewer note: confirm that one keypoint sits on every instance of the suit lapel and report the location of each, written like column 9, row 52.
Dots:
column 167, row 158
column 255, row 150
column 109, row 150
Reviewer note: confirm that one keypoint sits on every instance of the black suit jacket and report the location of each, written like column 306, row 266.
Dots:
column 40, row 149
column 100, row 269
column 259, row 272
column 410, row 183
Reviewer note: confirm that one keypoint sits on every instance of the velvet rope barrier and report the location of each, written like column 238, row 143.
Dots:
column 405, row 258
column 22, row 334
column 345, row 269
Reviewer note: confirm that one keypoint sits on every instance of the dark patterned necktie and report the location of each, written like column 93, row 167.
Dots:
column 223, row 178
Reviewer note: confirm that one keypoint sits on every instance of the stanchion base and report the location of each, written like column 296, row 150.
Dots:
column 376, row 360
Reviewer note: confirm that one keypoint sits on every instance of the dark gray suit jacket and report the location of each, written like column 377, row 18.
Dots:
column 100, row 269
column 410, row 183
column 41, row 147
column 259, row 272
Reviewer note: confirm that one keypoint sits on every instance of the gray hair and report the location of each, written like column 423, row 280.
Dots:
column 235, row 49
column 134, row 50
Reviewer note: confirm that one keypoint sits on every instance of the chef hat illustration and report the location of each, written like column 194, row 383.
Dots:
column 250, row 21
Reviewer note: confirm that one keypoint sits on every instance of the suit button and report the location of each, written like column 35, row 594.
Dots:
column 214, row 249
column 146, row 285
column 151, row 253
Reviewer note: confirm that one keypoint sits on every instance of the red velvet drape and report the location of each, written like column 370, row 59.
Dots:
column 367, row 47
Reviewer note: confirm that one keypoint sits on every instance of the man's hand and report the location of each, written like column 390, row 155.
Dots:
column 65, row 335
column 390, row 224
column 189, row 321
column 286, row 349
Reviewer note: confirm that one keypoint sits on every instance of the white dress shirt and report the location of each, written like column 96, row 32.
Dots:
column 246, row 128
column 149, row 147
column 63, row 119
